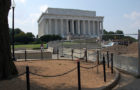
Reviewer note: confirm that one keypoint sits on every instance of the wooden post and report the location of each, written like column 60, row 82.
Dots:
column 86, row 54
column 107, row 59
column 139, row 52
column 57, row 53
column 104, row 70
column 112, row 63
column 78, row 71
column 72, row 54
column 27, row 77
column 25, row 55
column 41, row 54
column 98, row 57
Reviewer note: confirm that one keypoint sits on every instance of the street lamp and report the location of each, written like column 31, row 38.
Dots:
column 13, row 32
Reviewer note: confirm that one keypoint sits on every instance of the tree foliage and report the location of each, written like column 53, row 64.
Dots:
column 47, row 38
column 117, row 35
column 21, row 37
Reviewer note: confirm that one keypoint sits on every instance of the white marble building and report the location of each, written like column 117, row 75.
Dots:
column 72, row 22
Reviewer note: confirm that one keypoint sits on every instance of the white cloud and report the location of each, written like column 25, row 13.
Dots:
column 21, row 1
column 134, row 15
column 135, row 19
column 29, row 23
column 43, row 8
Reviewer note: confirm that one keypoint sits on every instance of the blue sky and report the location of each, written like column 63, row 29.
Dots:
column 118, row 14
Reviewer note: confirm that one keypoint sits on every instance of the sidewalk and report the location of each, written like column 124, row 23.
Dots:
column 128, row 82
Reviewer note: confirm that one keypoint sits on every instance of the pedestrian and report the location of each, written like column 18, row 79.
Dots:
column 46, row 45
column 42, row 47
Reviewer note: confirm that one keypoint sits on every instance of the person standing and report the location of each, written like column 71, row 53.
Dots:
column 46, row 45
column 42, row 46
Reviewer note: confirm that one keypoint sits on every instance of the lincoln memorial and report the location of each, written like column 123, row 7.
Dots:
column 72, row 22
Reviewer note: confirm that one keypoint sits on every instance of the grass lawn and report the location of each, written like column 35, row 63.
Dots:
column 28, row 46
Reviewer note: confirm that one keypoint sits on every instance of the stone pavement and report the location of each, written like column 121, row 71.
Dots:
column 128, row 82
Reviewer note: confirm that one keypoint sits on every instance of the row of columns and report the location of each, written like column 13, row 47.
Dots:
column 81, row 28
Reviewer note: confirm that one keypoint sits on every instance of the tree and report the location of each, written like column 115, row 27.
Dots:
column 47, row 38
column 119, row 36
column 7, row 67
column 24, row 38
column 20, row 38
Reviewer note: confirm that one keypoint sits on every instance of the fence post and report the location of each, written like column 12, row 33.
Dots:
column 112, row 63
column 72, row 54
column 108, row 59
column 139, row 52
column 97, row 57
column 104, row 70
column 25, row 55
column 27, row 78
column 86, row 54
column 79, row 79
column 62, row 49
column 57, row 53
column 41, row 54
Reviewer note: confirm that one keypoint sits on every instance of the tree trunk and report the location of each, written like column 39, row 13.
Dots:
column 7, row 67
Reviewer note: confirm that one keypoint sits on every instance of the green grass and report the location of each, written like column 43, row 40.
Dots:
column 29, row 46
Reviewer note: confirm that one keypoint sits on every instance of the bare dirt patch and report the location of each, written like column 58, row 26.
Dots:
column 89, row 77
column 130, row 50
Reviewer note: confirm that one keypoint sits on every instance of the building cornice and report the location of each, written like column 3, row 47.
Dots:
column 58, row 16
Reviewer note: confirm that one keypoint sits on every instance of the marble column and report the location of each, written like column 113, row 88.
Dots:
column 62, row 31
column 78, row 27
column 73, row 27
column 94, row 32
column 46, row 27
column 98, row 29
column 49, row 29
column 102, row 27
column 56, row 28
column 67, row 26
column 84, row 30
column 89, row 28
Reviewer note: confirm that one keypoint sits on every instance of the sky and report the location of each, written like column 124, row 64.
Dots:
column 118, row 14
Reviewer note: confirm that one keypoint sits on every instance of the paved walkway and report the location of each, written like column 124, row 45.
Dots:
column 128, row 82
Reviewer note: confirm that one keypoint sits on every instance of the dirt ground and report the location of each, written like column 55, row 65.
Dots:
column 89, row 77
column 131, row 50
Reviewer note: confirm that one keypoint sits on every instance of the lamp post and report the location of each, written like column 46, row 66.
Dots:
column 13, row 32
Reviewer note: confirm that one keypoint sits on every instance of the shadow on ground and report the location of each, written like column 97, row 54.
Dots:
column 18, row 84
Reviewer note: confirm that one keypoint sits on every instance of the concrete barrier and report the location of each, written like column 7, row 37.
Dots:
column 33, row 55
column 127, row 64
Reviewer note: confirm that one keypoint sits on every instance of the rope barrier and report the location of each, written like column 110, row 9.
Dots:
column 88, row 67
column 55, row 75
column 21, row 74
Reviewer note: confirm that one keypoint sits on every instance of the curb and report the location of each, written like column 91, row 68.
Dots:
column 112, row 83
